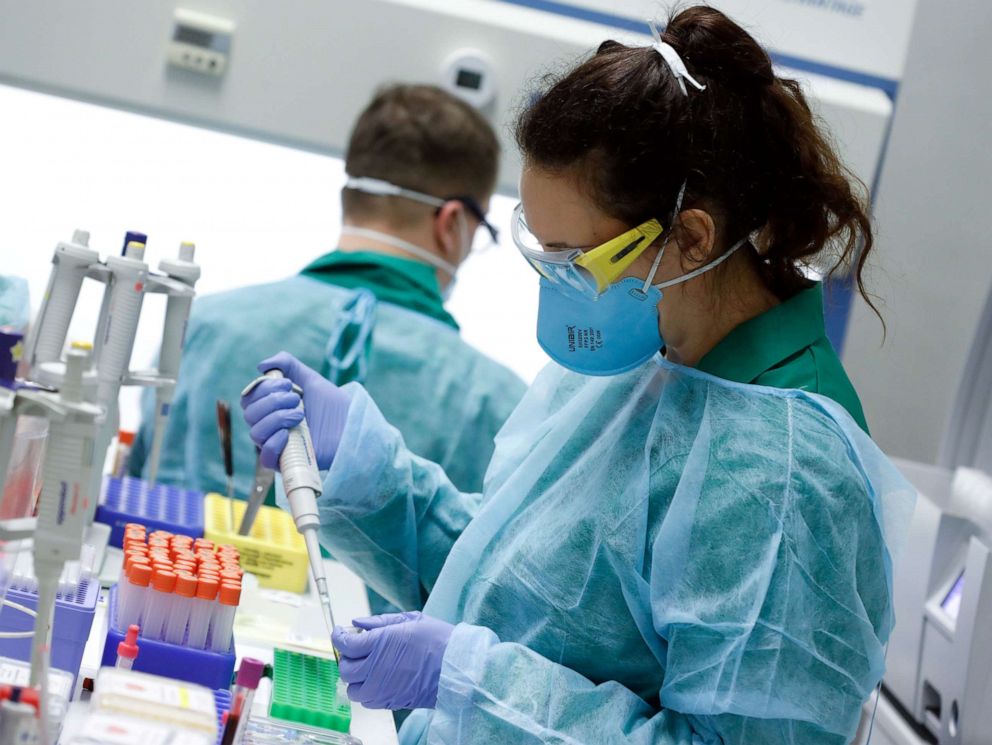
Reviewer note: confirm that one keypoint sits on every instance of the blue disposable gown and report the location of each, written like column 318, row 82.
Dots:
column 15, row 308
column 658, row 557
column 448, row 398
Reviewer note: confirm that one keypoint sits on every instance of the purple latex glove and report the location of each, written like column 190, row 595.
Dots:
column 270, row 409
column 396, row 662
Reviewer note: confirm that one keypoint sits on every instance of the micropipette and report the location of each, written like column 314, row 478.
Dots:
column 182, row 275
column 301, row 480
column 71, row 262
column 127, row 276
column 224, row 429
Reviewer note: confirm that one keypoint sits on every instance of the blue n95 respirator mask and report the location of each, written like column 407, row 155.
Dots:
column 612, row 333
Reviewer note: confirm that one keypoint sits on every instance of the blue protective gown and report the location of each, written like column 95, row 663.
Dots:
column 15, row 308
column 657, row 557
column 448, row 398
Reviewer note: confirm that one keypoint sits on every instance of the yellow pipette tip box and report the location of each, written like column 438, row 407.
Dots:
column 274, row 551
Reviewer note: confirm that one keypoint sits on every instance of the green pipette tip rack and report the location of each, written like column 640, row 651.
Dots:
column 305, row 689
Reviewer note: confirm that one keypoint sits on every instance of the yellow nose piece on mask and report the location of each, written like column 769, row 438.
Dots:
column 607, row 262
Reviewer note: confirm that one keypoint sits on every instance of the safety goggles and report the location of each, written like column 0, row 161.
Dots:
column 589, row 270
column 381, row 188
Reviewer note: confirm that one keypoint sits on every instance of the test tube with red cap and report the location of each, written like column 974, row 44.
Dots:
column 222, row 621
column 130, row 558
column 127, row 649
column 201, row 612
column 157, row 603
column 182, row 602
column 132, row 603
column 242, row 696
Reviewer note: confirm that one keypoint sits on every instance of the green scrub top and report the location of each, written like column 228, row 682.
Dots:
column 786, row 347
column 410, row 284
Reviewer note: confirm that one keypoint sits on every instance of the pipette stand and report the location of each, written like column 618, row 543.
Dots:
column 127, row 280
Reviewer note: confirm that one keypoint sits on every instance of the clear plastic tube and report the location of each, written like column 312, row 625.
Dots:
column 157, row 603
column 182, row 602
column 201, row 611
column 129, row 610
column 222, row 622
column 124, row 663
column 175, row 624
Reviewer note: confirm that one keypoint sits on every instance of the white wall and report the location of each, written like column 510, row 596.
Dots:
column 256, row 211
column 934, row 261
column 301, row 70
column 866, row 36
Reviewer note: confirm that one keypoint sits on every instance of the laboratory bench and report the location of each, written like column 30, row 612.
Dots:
column 265, row 619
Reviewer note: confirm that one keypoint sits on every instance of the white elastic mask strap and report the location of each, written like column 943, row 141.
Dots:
column 664, row 243
column 380, row 188
column 674, row 61
column 705, row 268
column 421, row 253
column 654, row 266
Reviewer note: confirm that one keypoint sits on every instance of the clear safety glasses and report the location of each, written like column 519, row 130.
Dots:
column 378, row 187
column 589, row 270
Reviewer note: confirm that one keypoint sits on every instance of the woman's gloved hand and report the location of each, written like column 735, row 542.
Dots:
column 395, row 663
column 270, row 409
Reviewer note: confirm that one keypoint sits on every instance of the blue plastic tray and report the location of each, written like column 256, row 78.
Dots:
column 211, row 669
column 73, row 621
column 157, row 507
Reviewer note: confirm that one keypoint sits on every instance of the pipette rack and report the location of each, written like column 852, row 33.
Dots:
column 202, row 666
column 274, row 551
column 305, row 690
column 156, row 506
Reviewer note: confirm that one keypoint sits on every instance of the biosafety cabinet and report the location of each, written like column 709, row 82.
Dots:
column 299, row 73
column 938, row 683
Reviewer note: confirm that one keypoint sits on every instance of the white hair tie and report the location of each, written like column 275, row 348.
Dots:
column 674, row 61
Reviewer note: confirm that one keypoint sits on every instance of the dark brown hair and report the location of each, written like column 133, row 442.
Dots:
column 422, row 138
column 748, row 147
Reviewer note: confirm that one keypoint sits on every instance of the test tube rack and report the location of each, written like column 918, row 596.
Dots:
column 222, row 699
column 305, row 689
column 274, row 551
column 202, row 666
column 156, row 506
column 71, row 628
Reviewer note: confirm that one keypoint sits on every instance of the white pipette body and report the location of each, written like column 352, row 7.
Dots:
column 70, row 264
column 126, row 293
column 66, row 498
column 177, row 309
column 301, row 480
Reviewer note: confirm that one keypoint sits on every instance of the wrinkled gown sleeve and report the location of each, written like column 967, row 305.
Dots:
column 387, row 514
column 767, row 591
column 753, row 592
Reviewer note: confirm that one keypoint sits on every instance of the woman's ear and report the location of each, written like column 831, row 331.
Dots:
column 695, row 235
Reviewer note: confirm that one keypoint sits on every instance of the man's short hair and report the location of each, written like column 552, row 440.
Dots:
column 422, row 138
